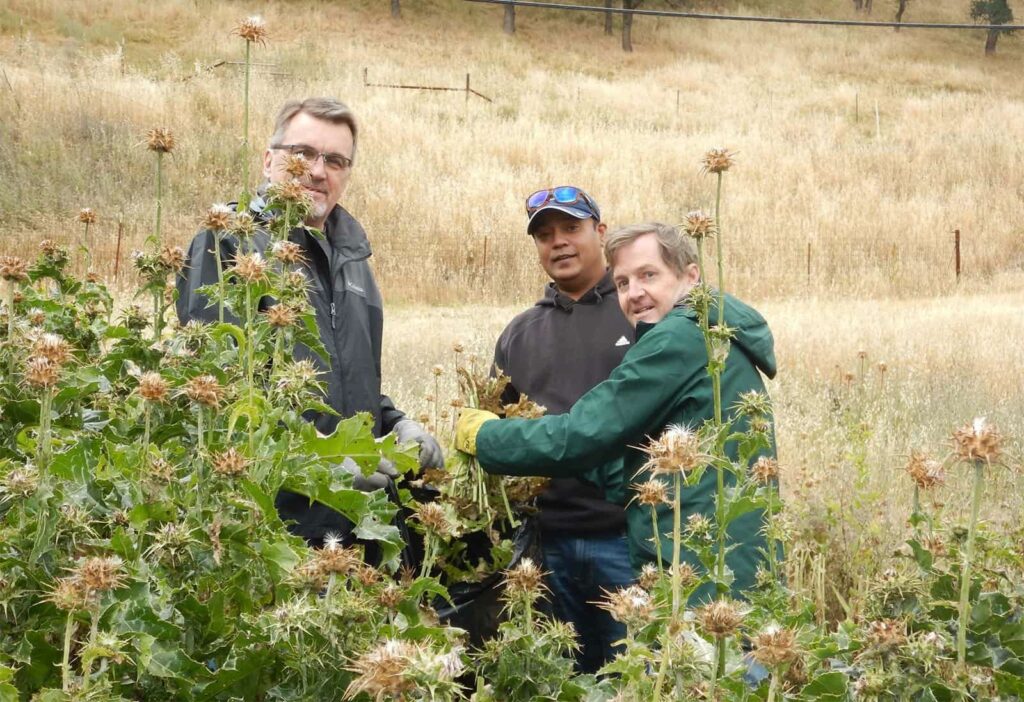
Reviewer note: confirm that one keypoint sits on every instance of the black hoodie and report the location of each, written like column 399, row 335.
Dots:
column 555, row 352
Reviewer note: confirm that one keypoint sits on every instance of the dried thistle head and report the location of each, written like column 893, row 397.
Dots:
column 297, row 166
column 308, row 575
column 698, row 526
column 978, row 441
column 86, row 216
column 437, row 371
column 288, row 252
column 677, row 450
column 250, row 267
column 391, row 596
column 434, row 519
column 100, row 573
column 383, row 672
column 41, row 372
column 651, row 493
column 886, row 634
column 13, row 269
column 457, row 347
column 717, row 160
column 153, row 387
column 282, row 315
column 290, row 191
column 69, row 595
column 720, row 618
column 631, row 606
column 765, row 470
column 20, row 482
column 687, row 575
column 230, row 462
column 526, row 578
column 775, row 646
column 53, row 348
column 699, row 224
column 204, row 390
column 336, row 558
column 649, row 576
column 160, row 140
column 218, row 218
column 525, row 408
column 172, row 258
column 926, row 472
column 253, row 29
column 243, row 225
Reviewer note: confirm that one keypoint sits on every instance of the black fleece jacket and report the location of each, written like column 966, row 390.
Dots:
column 555, row 352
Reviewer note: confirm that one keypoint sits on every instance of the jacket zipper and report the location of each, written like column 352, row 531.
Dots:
column 332, row 315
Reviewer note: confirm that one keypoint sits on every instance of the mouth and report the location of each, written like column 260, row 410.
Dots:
column 562, row 257
column 641, row 311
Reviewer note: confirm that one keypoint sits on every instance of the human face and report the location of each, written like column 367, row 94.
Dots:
column 323, row 185
column 648, row 287
column 569, row 251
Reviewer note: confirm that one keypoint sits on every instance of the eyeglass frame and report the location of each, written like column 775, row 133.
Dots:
column 290, row 148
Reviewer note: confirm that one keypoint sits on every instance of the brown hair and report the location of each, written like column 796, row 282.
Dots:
column 677, row 251
column 325, row 108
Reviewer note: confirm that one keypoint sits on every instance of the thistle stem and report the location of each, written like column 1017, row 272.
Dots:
column 245, row 123
column 718, row 245
column 145, row 436
column 10, row 328
column 965, row 570
column 220, row 277
column 772, row 566
column 773, row 688
column 677, row 594
column 65, row 665
column 45, row 410
column 657, row 538
column 250, row 362
column 159, row 194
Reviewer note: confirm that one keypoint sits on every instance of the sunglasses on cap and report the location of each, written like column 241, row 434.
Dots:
column 567, row 195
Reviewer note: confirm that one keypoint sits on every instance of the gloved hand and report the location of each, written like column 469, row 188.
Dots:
column 368, row 483
column 468, row 426
column 431, row 455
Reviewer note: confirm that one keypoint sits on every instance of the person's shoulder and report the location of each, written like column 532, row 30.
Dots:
column 524, row 322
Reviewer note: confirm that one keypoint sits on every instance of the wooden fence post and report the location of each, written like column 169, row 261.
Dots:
column 956, row 252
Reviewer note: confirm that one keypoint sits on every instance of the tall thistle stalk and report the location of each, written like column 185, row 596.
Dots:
column 218, row 220
column 160, row 141
column 254, row 31
column 978, row 444
column 86, row 216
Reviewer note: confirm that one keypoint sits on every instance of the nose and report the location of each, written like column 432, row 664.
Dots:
column 317, row 167
column 635, row 291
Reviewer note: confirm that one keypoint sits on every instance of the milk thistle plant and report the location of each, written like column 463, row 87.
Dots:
column 253, row 30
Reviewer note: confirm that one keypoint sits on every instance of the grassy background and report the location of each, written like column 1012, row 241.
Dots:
column 440, row 181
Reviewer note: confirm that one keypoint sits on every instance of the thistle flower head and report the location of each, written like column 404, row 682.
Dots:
column 631, row 606
column 698, row 526
column 649, row 576
column 243, row 225
column 978, row 441
column 526, row 578
column 20, row 482
column 677, row 450
column 230, row 462
column 53, row 252
column 383, row 672
column 699, row 224
column 765, row 470
column 160, row 140
column 335, row 558
column 69, row 594
column 434, row 519
column 100, row 573
column 886, row 634
column 297, row 166
column 720, row 618
column 282, row 315
column 153, row 387
column 717, row 160
column 524, row 408
column 41, row 372
column 651, row 493
column 253, row 29
column 775, row 646
column 290, row 191
column 218, row 218
column 687, row 575
column 172, row 258
column 204, row 390
column 13, row 269
column 926, row 472
column 134, row 318
column 391, row 596
column 86, row 216
column 437, row 371
column 288, row 252
column 250, row 267
column 53, row 348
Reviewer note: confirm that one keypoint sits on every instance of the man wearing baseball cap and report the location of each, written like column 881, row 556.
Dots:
column 554, row 352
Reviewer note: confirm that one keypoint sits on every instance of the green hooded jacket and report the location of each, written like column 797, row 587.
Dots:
column 662, row 380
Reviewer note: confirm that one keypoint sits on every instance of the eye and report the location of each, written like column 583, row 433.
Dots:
column 306, row 152
column 621, row 284
column 337, row 162
column 649, row 275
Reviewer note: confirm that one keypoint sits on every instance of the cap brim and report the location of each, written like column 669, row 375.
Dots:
column 576, row 212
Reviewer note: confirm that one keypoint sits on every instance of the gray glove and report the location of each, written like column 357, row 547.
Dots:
column 368, row 483
column 431, row 455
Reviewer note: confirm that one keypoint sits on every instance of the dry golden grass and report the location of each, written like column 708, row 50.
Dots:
column 440, row 180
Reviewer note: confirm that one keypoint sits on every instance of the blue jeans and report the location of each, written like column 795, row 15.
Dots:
column 581, row 569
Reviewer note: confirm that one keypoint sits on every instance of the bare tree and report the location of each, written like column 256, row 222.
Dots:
column 509, row 26
column 627, row 23
column 608, row 17
column 396, row 9
column 901, row 7
column 991, row 12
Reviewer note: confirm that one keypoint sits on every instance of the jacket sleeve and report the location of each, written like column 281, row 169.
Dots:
column 201, row 269
column 389, row 414
column 640, row 396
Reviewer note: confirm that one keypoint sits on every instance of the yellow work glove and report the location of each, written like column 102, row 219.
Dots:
column 468, row 426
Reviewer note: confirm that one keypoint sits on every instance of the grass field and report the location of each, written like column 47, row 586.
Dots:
column 859, row 151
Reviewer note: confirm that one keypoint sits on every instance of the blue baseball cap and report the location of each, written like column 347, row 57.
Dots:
column 569, row 199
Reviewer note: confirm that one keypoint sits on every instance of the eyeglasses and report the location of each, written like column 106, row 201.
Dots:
column 332, row 162
column 563, row 195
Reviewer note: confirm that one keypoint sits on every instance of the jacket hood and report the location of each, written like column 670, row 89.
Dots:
column 553, row 297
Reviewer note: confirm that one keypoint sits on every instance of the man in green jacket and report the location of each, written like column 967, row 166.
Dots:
column 662, row 381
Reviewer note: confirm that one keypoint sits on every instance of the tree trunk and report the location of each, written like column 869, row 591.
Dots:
column 509, row 26
column 858, row 5
column 990, row 42
column 627, row 25
column 867, row 6
column 608, row 17
column 396, row 9
column 900, row 9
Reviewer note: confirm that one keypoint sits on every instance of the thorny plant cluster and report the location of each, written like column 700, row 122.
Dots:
column 141, row 556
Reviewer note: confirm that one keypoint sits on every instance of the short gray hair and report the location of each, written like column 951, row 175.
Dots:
column 326, row 108
column 677, row 251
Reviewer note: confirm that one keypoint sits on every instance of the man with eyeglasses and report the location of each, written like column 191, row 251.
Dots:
column 341, row 289
column 554, row 352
